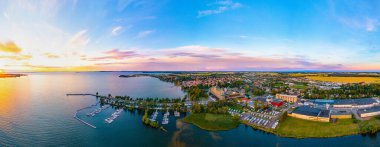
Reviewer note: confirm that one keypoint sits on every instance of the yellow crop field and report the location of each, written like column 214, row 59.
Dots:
column 345, row 79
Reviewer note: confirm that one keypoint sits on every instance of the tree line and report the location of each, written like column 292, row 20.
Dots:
column 344, row 92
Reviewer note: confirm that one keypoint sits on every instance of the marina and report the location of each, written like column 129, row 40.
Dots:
column 165, row 119
column 113, row 116
column 98, row 110
column 154, row 116
column 177, row 114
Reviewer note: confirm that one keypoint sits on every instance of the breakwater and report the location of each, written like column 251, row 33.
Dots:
column 76, row 112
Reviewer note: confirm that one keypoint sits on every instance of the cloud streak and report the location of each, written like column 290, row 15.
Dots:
column 16, row 57
column 190, row 58
column 367, row 24
column 193, row 58
column 116, row 30
column 145, row 33
column 114, row 54
column 354, row 15
column 79, row 39
column 222, row 6
column 51, row 56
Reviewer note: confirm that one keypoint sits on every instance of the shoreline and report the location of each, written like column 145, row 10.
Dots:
column 273, row 132
column 225, row 122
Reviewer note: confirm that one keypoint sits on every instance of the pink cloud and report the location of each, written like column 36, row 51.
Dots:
column 191, row 58
column 114, row 54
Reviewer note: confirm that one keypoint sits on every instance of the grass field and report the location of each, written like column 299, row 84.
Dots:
column 372, row 125
column 299, row 128
column 299, row 86
column 345, row 79
column 279, row 84
column 212, row 122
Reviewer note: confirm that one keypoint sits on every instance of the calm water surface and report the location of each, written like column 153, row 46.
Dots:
column 34, row 110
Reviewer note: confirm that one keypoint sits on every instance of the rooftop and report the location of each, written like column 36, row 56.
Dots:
column 369, row 110
column 324, row 113
column 323, row 101
column 306, row 110
column 340, row 112
column 363, row 101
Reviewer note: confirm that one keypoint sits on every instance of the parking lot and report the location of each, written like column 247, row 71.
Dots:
column 266, row 119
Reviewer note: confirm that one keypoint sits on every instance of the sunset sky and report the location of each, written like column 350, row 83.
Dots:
column 90, row 35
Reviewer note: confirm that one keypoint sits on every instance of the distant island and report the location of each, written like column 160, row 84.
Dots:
column 134, row 75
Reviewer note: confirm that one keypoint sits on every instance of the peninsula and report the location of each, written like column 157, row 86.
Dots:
column 295, row 105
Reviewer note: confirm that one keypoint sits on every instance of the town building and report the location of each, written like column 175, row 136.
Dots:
column 287, row 98
column 277, row 103
column 233, row 93
column 217, row 92
column 368, row 112
column 323, row 102
column 310, row 113
column 356, row 103
column 341, row 114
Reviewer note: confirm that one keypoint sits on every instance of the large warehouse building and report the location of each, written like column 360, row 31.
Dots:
column 341, row 114
column 355, row 103
column 373, row 111
column 310, row 113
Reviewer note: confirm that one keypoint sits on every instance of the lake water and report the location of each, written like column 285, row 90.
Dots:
column 34, row 110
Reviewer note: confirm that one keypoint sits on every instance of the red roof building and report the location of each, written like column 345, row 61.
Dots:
column 277, row 103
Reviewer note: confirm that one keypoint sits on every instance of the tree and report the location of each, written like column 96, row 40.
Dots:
column 237, row 83
column 196, row 108
column 196, row 93
column 235, row 117
column 257, row 91
column 145, row 118
column 283, row 116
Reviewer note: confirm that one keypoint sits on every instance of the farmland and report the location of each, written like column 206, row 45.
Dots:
column 345, row 79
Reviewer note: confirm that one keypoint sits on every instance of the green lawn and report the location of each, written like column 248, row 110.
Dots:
column 299, row 86
column 278, row 84
column 299, row 128
column 212, row 122
column 370, row 126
